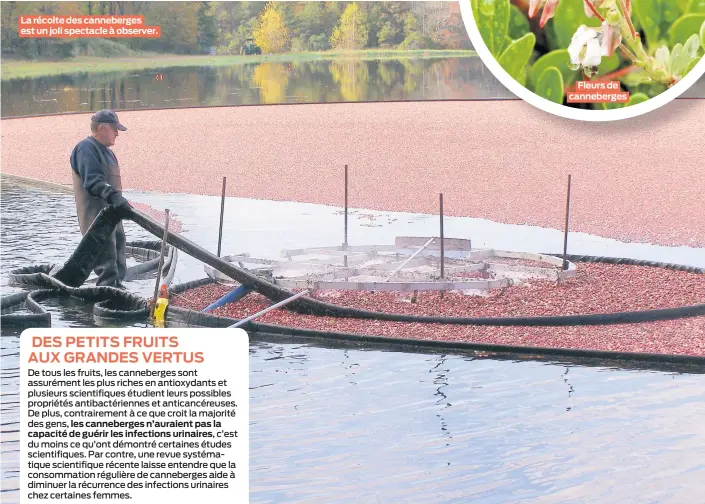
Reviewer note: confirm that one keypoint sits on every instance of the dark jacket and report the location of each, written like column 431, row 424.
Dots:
column 85, row 161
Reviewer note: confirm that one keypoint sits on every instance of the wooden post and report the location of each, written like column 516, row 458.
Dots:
column 161, row 264
column 222, row 211
column 565, row 237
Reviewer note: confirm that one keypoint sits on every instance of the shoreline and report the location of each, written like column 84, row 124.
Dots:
column 26, row 69
column 286, row 153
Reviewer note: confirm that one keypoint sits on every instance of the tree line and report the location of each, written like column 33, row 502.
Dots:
column 224, row 27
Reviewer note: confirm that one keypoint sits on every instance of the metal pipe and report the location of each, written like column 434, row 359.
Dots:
column 345, row 243
column 442, row 249
column 222, row 210
column 442, row 245
column 565, row 238
column 391, row 275
column 231, row 297
column 270, row 308
column 161, row 264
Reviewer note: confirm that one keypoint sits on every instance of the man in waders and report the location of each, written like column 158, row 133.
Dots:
column 96, row 184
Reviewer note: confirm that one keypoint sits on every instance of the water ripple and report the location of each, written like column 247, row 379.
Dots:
column 350, row 425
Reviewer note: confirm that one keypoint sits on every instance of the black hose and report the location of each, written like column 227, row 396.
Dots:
column 79, row 266
column 38, row 318
column 76, row 270
column 184, row 317
column 310, row 306
column 630, row 262
column 110, row 302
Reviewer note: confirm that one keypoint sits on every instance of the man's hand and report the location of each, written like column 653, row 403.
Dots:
column 110, row 194
column 117, row 199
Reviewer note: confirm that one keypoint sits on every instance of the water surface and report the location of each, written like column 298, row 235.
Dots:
column 40, row 227
column 339, row 80
column 348, row 424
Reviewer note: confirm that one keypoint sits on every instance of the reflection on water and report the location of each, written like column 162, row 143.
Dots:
column 347, row 425
column 340, row 424
column 348, row 80
column 267, row 82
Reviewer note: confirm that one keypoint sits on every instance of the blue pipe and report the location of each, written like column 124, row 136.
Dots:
column 230, row 297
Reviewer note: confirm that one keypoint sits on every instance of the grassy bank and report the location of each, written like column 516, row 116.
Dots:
column 22, row 69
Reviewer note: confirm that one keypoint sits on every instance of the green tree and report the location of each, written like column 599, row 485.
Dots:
column 272, row 34
column 207, row 33
column 386, row 22
column 179, row 27
column 310, row 24
column 415, row 32
column 352, row 31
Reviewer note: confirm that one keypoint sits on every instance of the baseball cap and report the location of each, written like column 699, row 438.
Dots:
column 108, row 116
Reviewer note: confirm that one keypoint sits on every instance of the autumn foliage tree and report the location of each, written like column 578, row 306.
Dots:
column 272, row 34
column 352, row 31
column 194, row 27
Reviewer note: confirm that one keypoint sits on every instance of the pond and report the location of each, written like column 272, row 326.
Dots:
column 339, row 80
column 40, row 227
column 333, row 423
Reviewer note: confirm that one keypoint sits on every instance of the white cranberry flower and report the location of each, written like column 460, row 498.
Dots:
column 589, row 45
column 585, row 49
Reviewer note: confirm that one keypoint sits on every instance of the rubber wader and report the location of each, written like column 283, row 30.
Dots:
column 112, row 265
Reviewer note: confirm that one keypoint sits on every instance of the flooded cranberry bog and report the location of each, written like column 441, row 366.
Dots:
column 499, row 373
column 492, row 300
column 487, row 365
column 495, row 160
column 313, row 376
column 425, row 288
column 489, row 299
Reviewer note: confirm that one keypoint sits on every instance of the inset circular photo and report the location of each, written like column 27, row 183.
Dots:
column 591, row 59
